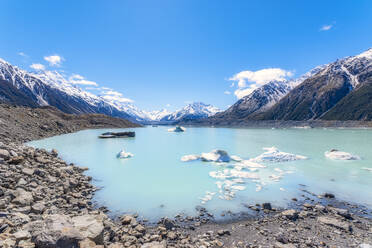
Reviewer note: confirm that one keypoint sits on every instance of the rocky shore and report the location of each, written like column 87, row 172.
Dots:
column 45, row 202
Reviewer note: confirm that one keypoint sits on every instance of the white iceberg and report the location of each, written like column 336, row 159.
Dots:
column 215, row 156
column 177, row 129
column 339, row 155
column 368, row 169
column 208, row 196
column 272, row 154
column 191, row 157
column 124, row 154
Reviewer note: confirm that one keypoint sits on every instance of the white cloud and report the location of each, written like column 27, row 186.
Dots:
column 248, row 81
column 22, row 54
column 326, row 27
column 115, row 96
column 227, row 92
column 54, row 60
column 37, row 67
column 80, row 80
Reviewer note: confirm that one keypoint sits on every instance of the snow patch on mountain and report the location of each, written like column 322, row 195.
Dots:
column 194, row 110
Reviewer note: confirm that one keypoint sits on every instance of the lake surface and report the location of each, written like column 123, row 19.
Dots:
column 156, row 183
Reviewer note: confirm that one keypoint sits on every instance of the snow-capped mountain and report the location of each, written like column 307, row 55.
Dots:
column 196, row 110
column 54, row 89
column 263, row 98
column 340, row 91
column 43, row 88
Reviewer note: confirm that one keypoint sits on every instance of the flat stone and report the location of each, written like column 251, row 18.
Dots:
column 4, row 154
column 334, row 223
column 89, row 226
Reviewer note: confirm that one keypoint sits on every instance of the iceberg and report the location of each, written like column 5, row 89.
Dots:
column 273, row 154
column 191, row 157
column 215, row 156
column 368, row 169
column 124, row 154
column 339, row 155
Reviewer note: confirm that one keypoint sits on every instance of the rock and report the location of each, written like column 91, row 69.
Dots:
column 280, row 245
column 4, row 154
column 329, row 195
column 267, row 206
column 365, row 245
column 25, row 244
column 23, row 197
column 115, row 245
column 38, row 208
column 154, row 245
column 89, row 226
column 87, row 243
column 290, row 214
column 223, row 232
column 334, row 223
column 127, row 219
column 22, row 235
column 54, row 231
column 168, row 224
column 16, row 160
column 28, row 171
column 172, row 235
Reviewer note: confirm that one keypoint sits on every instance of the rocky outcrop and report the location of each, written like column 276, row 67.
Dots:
column 22, row 124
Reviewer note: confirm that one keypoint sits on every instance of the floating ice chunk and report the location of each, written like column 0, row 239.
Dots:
column 258, row 187
column 177, row 129
column 339, row 155
column 368, row 169
column 249, row 163
column 243, row 174
column 236, row 158
column 215, row 156
column 220, row 174
column 237, row 187
column 191, row 157
column 124, row 154
column 208, row 196
column 272, row 154
column 275, row 177
column 282, row 189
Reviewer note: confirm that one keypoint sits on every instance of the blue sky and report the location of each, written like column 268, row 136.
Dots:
column 172, row 52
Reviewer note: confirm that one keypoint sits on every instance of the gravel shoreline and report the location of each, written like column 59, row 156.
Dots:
column 45, row 202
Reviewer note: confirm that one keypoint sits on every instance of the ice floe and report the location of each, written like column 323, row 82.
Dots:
column 191, row 157
column 340, row 155
column 368, row 169
column 273, row 154
column 124, row 154
column 213, row 156
column 208, row 196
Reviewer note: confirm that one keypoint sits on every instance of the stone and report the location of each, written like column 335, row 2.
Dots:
column 28, row 171
column 25, row 244
column 154, row 245
column 22, row 235
column 168, row 224
column 267, row 206
column 4, row 154
column 89, row 226
column 127, row 219
column 290, row 214
column 23, row 197
column 38, row 208
column 329, row 195
column 334, row 223
column 54, row 231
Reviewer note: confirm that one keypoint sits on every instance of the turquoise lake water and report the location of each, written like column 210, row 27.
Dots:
column 156, row 183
